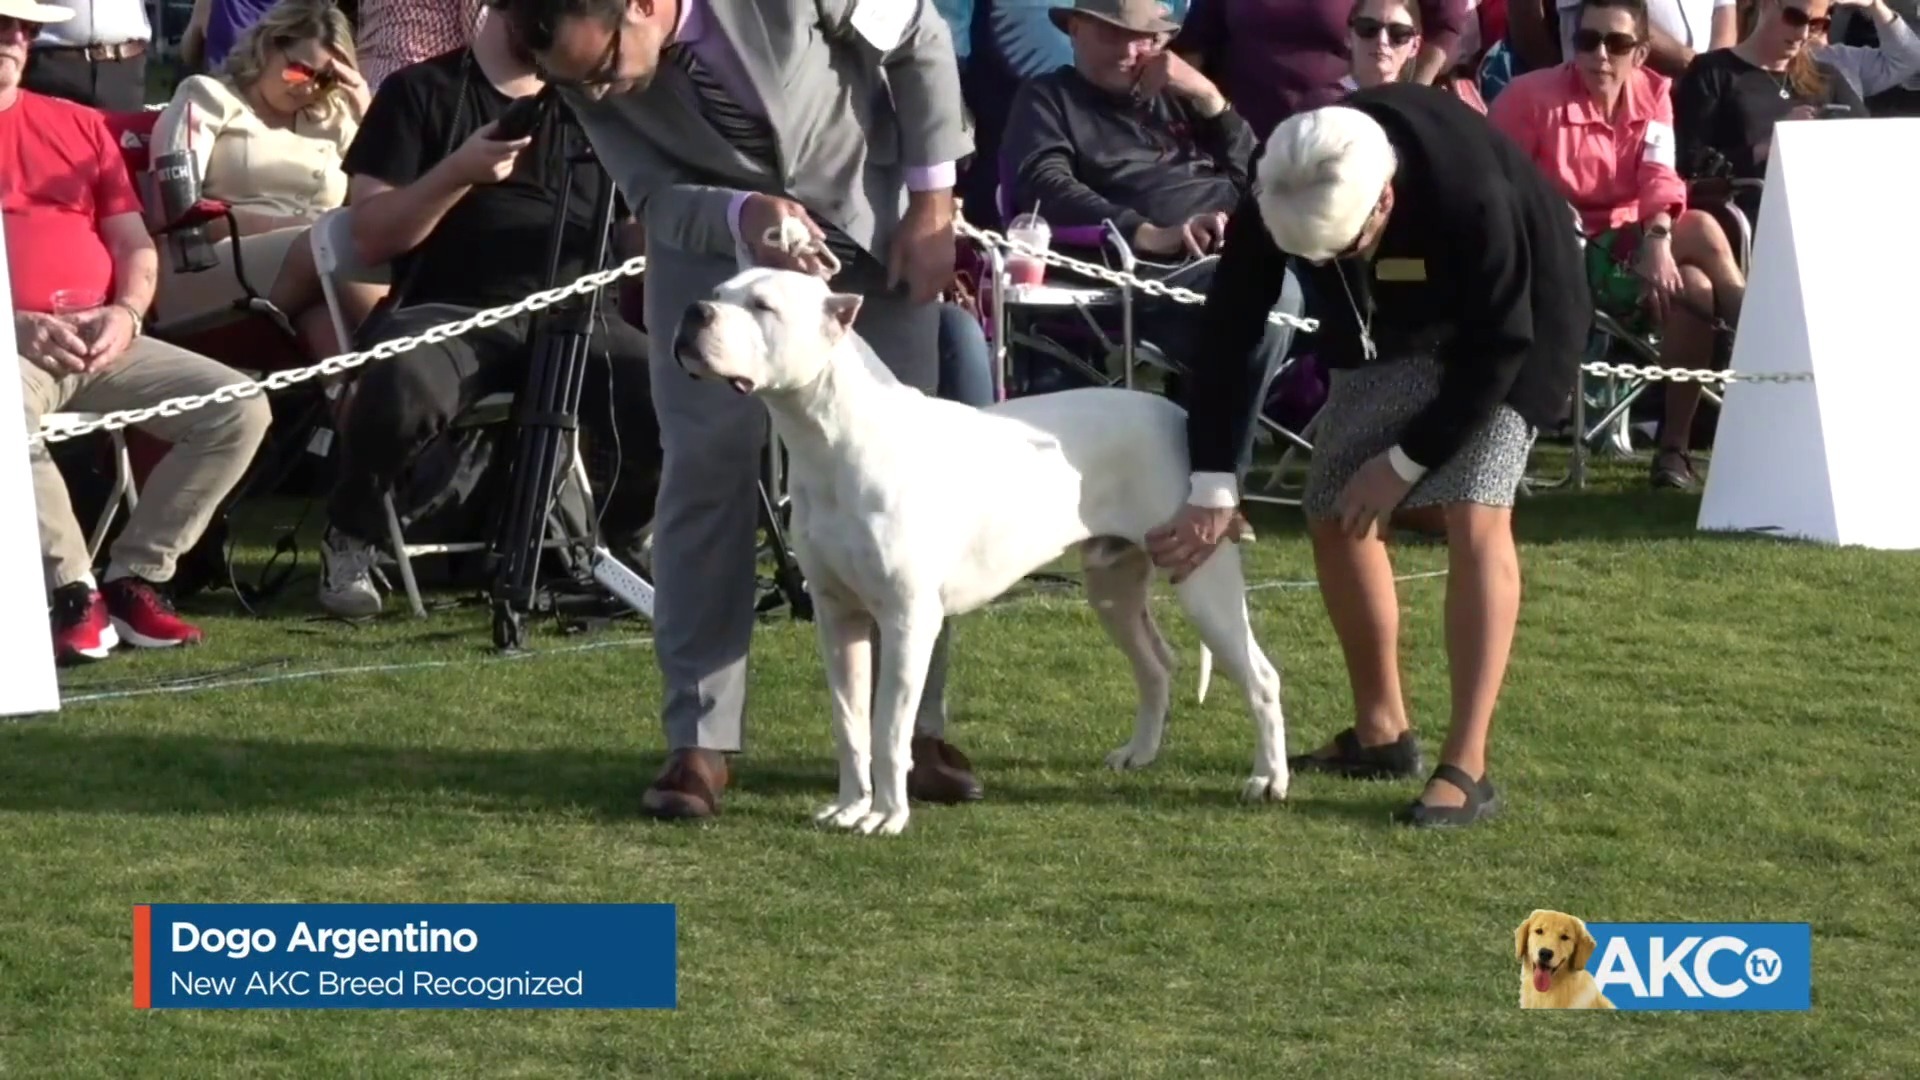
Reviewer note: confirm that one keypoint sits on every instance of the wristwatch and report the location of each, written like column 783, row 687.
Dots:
column 138, row 322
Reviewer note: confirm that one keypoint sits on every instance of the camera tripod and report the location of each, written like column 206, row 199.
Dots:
column 546, row 415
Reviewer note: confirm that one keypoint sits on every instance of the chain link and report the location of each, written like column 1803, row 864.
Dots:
column 1110, row 276
column 1188, row 296
column 334, row 365
column 1637, row 371
column 538, row 301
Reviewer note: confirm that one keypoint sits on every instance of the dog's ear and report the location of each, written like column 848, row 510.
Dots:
column 840, row 311
column 1520, row 935
column 1583, row 946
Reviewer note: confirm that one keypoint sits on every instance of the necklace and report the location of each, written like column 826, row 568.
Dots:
column 1364, row 323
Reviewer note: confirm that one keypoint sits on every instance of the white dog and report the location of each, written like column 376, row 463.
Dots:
column 908, row 509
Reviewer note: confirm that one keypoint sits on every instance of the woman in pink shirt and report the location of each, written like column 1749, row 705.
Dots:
column 1601, row 126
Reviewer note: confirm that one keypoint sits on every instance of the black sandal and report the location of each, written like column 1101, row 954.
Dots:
column 1397, row 760
column 1482, row 802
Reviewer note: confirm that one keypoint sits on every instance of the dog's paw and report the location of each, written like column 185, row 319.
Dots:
column 883, row 822
column 843, row 815
column 1265, row 788
column 1132, row 757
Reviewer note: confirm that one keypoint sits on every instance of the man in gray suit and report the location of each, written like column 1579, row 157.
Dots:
column 718, row 119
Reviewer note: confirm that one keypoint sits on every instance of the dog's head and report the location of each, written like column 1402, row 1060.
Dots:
column 1552, row 943
column 764, row 330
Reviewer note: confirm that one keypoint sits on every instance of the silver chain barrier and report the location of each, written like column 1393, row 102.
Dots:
column 1188, row 296
column 633, row 267
column 334, row 365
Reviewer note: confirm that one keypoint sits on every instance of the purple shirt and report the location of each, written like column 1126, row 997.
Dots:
column 717, row 55
column 226, row 21
column 1280, row 57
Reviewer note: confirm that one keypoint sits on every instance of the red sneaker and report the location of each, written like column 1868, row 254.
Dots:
column 145, row 618
column 81, row 630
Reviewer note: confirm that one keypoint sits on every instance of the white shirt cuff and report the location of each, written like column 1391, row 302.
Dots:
column 1408, row 469
column 1215, row 490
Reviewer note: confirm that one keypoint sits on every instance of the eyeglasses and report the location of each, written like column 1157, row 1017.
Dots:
column 1585, row 40
column 1398, row 33
column 604, row 73
column 295, row 73
column 1798, row 17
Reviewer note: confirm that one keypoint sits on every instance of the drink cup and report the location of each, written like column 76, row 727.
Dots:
column 1031, row 230
column 74, row 301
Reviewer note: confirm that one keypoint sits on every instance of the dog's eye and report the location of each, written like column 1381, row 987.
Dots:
column 762, row 307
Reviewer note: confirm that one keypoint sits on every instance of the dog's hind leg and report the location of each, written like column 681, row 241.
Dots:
column 1215, row 597
column 846, row 645
column 1119, row 578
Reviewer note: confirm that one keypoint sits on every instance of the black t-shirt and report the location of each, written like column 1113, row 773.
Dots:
column 491, row 248
column 1725, row 104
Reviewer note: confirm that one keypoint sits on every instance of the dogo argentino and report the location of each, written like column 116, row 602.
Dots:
column 908, row 509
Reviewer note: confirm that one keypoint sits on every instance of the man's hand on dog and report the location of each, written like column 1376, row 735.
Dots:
column 760, row 218
column 1184, row 543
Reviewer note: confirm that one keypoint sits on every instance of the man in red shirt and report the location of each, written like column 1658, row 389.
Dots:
column 82, row 269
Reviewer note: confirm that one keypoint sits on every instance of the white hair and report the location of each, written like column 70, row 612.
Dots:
column 1320, row 178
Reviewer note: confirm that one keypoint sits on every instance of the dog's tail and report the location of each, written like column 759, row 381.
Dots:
column 1206, row 672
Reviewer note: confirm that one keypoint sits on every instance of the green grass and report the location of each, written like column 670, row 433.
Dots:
column 1696, row 728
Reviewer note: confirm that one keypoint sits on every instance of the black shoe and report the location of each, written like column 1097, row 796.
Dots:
column 1397, row 760
column 1673, row 469
column 1482, row 803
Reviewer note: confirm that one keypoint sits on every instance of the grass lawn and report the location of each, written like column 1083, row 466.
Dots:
column 1695, row 729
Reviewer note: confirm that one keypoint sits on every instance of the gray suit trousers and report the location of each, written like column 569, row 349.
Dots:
column 713, row 442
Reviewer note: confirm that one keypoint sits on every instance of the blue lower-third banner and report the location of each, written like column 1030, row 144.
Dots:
column 405, row 956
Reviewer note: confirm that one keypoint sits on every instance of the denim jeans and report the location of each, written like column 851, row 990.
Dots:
column 966, row 361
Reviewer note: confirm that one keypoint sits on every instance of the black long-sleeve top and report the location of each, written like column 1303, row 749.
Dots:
column 1479, row 262
column 1724, row 105
column 1085, row 155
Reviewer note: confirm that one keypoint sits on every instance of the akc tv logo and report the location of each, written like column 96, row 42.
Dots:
column 1566, row 963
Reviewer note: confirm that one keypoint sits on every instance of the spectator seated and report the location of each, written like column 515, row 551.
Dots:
column 438, row 202
column 82, row 266
column 1133, row 143
column 265, row 139
column 1725, row 107
column 1601, row 127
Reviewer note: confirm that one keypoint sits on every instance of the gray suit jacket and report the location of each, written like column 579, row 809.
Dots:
column 850, row 119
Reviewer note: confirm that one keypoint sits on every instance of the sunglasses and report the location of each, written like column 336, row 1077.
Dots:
column 1586, row 40
column 27, row 29
column 295, row 73
column 1798, row 17
column 1370, row 29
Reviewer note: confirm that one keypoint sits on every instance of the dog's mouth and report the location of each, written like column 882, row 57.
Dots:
column 741, row 385
column 1542, row 977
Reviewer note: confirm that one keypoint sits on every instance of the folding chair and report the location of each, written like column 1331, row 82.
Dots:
column 125, row 488
column 335, row 259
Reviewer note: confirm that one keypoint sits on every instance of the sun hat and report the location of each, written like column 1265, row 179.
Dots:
column 1139, row 16
column 33, row 12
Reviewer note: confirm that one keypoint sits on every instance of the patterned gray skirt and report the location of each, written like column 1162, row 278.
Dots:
column 1367, row 411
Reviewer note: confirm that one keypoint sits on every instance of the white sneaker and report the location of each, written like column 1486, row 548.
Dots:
column 347, row 570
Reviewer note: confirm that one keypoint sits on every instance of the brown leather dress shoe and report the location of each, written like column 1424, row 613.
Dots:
column 689, row 786
column 941, row 773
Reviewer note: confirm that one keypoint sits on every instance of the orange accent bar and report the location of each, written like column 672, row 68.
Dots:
column 142, row 957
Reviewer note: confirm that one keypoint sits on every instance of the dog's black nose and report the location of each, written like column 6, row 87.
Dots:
column 699, row 315
column 1546, row 956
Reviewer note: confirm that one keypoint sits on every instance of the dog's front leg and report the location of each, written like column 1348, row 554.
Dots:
column 846, row 645
column 907, row 638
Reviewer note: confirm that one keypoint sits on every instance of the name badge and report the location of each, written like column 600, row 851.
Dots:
column 1400, row 270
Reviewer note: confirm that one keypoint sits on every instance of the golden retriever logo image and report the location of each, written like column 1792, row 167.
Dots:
column 1553, row 949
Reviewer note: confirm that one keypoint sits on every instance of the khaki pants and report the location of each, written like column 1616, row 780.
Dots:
column 212, row 447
